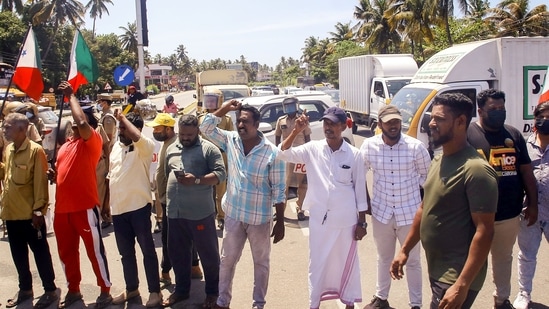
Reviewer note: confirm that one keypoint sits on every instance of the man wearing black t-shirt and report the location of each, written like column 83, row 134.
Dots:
column 505, row 149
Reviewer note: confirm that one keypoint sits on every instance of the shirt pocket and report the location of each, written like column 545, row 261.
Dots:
column 343, row 173
column 20, row 174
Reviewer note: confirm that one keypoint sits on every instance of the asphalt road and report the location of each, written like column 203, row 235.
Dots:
column 288, row 276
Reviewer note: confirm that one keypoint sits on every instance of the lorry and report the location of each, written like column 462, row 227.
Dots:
column 368, row 82
column 515, row 65
column 232, row 83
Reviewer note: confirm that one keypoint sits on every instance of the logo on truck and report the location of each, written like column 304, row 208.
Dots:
column 532, row 80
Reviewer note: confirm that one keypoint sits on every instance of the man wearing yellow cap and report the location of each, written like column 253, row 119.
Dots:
column 163, row 131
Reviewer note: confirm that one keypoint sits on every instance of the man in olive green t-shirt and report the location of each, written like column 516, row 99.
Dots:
column 455, row 223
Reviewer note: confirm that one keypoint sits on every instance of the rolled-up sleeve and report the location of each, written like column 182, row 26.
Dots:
column 359, row 179
column 212, row 132
column 41, row 195
column 277, row 176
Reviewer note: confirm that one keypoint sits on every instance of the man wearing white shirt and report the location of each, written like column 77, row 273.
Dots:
column 337, row 207
column 130, row 201
column 400, row 164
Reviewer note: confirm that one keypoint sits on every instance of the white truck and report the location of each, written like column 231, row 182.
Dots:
column 232, row 83
column 368, row 82
column 516, row 66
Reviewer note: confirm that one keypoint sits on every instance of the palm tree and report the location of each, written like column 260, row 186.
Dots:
column 97, row 8
column 58, row 12
column 343, row 32
column 129, row 38
column 445, row 10
column 413, row 19
column 477, row 9
column 9, row 5
column 512, row 18
column 374, row 28
column 182, row 53
column 157, row 59
column 308, row 50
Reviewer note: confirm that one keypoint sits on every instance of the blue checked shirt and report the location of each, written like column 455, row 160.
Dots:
column 255, row 181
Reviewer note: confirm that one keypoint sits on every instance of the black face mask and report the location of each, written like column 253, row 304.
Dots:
column 542, row 126
column 495, row 118
column 160, row 136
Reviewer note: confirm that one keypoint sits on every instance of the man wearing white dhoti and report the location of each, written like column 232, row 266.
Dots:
column 337, row 208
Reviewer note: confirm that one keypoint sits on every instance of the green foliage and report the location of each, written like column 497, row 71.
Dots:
column 12, row 33
column 153, row 88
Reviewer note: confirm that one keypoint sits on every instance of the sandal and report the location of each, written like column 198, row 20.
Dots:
column 103, row 300
column 46, row 300
column 210, row 301
column 70, row 299
column 165, row 282
column 174, row 299
column 18, row 298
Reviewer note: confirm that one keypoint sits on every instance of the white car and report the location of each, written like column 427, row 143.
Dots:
column 315, row 102
column 49, row 135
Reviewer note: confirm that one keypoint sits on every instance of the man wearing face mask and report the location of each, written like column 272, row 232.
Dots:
column 529, row 237
column 284, row 126
column 163, row 131
column 106, row 127
column 505, row 149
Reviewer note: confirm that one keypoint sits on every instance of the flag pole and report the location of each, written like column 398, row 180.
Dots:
column 15, row 67
column 62, row 103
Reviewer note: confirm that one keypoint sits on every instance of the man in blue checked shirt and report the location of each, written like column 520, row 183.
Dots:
column 256, row 184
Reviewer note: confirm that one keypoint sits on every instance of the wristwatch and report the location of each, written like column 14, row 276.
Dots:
column 197, row 181
column 37, row 213
column 363, row 225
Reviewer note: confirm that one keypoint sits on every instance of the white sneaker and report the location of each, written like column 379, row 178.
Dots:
column 522, row 301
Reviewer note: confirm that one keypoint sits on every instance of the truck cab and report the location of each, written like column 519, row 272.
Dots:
column 516, row 66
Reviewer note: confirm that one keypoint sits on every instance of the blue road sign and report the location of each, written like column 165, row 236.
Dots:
column 123, row 75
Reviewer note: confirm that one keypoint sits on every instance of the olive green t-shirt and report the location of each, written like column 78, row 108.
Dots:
column 456, row 186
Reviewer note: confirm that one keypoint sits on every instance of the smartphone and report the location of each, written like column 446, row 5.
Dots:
column 179, row 173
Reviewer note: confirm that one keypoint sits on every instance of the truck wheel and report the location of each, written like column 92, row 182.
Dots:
column 354, row 128
column 373, row 127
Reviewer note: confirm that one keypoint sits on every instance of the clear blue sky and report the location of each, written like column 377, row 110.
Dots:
column 226, row 29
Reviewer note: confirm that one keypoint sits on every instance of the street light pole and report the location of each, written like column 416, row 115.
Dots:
column 140, row 57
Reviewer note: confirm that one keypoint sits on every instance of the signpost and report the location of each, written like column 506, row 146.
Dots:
column 123, row 75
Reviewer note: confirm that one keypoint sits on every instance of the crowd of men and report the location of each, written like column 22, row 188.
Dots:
column 487, row 188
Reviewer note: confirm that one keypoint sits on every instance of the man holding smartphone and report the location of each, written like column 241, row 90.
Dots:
column 193, row 166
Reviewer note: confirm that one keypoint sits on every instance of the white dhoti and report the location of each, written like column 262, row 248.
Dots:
column 334, row 271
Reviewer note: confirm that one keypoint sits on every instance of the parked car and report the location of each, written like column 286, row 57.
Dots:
column 334, row 93
column 315, row 102
column 49, row 133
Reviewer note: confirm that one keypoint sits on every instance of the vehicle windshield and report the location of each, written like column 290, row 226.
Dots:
column 234, row 93
column 408, row 101
column 393, row 86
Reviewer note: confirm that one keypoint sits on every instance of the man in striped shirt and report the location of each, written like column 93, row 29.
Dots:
column 256, row 184
column 400, row 164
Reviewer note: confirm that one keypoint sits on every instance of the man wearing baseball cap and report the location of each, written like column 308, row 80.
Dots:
column 399, row 163
column 337, row 206
column 163, row 131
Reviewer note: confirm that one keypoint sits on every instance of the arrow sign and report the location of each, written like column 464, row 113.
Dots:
column 123, row 75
